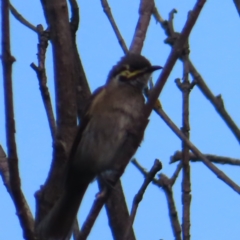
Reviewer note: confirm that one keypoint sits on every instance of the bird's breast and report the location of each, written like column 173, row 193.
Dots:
column 112, row 115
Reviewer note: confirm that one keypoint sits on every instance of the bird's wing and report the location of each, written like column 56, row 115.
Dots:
column 84, row 122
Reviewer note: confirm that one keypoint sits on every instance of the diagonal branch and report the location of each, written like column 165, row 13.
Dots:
column 166, row 184
column 108, row 12
column 22, row 209
column 221, row 175
column 175, row 53
column 21, row 19
column 157, row 166
column 216, row 101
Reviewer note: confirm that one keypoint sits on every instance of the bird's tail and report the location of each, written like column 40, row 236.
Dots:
column 59, row 221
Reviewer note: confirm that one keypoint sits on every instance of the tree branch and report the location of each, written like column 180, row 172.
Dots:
column 108, row 12
column 22, row 209
column 221, row 175
column 40, row 70
column 185, row 87
column 157, row 166
column 212, row 158
column 217, row 101
column 166, row 184
column 56, row 14
column 21, row 19
column 175, row 53
column 145, row 10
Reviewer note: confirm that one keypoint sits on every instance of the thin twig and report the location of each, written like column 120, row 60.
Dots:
column 21, row 19
column 176, row 173
column 42, row 78
column 108, row 12
column 145, row 11
column 216, row 101
column 166, row 184
column 221, row 175
column 157, row 166
column 22, row 209
column 212, row 158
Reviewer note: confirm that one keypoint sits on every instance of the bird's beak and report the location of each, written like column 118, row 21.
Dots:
column 152, row 69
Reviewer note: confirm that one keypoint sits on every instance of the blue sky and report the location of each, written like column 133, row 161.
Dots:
column 215, row 51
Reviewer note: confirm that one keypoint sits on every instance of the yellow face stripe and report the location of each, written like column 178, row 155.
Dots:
column 128, row 74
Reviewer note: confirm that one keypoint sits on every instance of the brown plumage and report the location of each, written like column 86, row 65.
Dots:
column 111, row 113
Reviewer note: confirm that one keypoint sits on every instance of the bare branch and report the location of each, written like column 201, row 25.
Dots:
column 221, row 175
column 21, row 19
column 176, row 51
column 108, row 12
column 176, row 173
column 157, row 166
column 216, row 101
column 40, row 70
column 212, row 158
column 22, row 209
column 145, row 10
column 166, row 184
column 57, row 18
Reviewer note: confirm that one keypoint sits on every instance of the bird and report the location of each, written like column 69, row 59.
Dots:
column 109, row 116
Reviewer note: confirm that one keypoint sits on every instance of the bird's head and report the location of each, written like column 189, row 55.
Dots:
column 132, row 69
